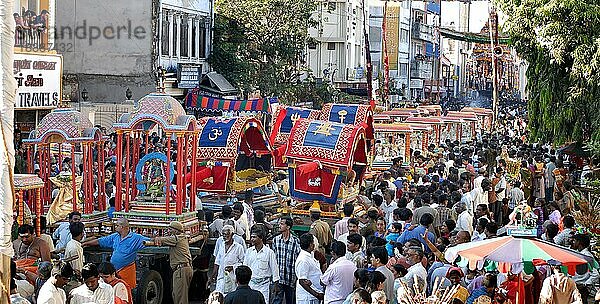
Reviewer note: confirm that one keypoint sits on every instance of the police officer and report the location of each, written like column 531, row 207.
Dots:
column 180, row 259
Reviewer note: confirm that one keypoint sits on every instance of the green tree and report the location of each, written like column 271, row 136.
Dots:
column 259, row 44
column 560, row 39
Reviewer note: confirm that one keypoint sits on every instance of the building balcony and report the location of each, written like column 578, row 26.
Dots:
column 421, row 69
column 422, row 31
column 31, row 39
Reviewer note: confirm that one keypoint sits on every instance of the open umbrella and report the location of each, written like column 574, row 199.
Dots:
column 509, row 250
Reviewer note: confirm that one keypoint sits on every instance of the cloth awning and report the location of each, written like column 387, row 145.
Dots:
column 195, row 101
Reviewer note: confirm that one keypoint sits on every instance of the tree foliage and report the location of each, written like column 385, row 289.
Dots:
column 560, row 39
column 259, row 44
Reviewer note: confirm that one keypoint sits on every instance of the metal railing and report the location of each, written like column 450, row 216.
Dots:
column 31, row 38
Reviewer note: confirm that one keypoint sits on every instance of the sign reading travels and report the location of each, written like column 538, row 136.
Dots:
column 188, row 76
column 38, row 79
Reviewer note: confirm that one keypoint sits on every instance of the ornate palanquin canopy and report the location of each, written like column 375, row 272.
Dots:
column 222, row 139
column 64, row 125
column 157, row 108
column 333, row 144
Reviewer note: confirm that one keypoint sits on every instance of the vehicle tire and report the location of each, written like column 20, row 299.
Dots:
column 150, row 290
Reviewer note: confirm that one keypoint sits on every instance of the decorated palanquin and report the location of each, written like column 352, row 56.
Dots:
column 451, row 129
column 326, row 162
column 430, row 110
column 436, row 124
column 66, row 128
column 468, row 126
column 155, row 176
column 281, row 126
column 421, row 136
column 392, row 141
column 234, row 155
column 401, row 114
column 485, row 117
column 28, row 203
column 355, row 114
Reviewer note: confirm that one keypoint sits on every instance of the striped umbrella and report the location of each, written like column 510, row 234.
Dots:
column 509, row 250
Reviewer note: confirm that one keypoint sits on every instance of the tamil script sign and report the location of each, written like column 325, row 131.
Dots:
column 38, row 80
column 188, row 76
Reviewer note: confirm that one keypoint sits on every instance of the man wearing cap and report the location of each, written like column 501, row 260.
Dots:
column 320, row 229
column 180, row 260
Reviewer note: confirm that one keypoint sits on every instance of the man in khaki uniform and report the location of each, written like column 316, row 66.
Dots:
column 180, row 259
column 320, row 229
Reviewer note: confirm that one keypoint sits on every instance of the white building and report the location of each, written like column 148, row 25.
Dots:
column 337, row 52
column 184, row 41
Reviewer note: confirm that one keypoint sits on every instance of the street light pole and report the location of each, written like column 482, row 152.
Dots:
column 492, row 28
column 409, row 66
column 367, row 56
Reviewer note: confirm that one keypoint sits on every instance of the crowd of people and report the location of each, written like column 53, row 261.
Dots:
column 389, row 246
column 37, row 278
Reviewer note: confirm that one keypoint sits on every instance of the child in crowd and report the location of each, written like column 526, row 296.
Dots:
column 392, row 237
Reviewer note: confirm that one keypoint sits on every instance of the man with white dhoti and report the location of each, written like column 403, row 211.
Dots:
column 263, row 262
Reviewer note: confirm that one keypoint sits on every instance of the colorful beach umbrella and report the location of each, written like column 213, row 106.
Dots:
column 509, row 250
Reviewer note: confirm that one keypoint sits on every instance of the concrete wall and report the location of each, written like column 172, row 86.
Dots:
column 107, row 47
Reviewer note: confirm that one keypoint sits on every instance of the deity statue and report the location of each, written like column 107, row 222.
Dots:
column 154, row 177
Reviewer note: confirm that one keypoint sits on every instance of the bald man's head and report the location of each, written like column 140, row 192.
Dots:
column 123, row 222
column 463, row 237
column 122, row 226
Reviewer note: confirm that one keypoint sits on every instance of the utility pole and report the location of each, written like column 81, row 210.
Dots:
column 386, row 61
column 368, row 56
column 493, row 29
column 410, row 26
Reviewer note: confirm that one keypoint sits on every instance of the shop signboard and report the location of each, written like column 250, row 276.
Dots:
column 188, row 76
column 39, row 80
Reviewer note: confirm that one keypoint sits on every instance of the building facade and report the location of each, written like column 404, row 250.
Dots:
column 113, row 50
column 336, row 52
column 37, row 67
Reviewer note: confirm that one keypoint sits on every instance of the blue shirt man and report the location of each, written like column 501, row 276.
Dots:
column 125, row 245
column 417, row 233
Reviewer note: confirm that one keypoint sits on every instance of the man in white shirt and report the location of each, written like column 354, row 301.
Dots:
column 52, row 291
column 94, row 290
column 464, row 222
column 480, row 177
column 354, row 252
column 263, row 263
column 230, row 255
column 62, row 233
column 236, row 238
column 216, row 226
column 241, row 221
column 338, row 279
column 480, row 195
column 73, row 250
column 353, row 227
column 389, row 205
column 308, row 271
column 341, row 226
column 414, row 256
